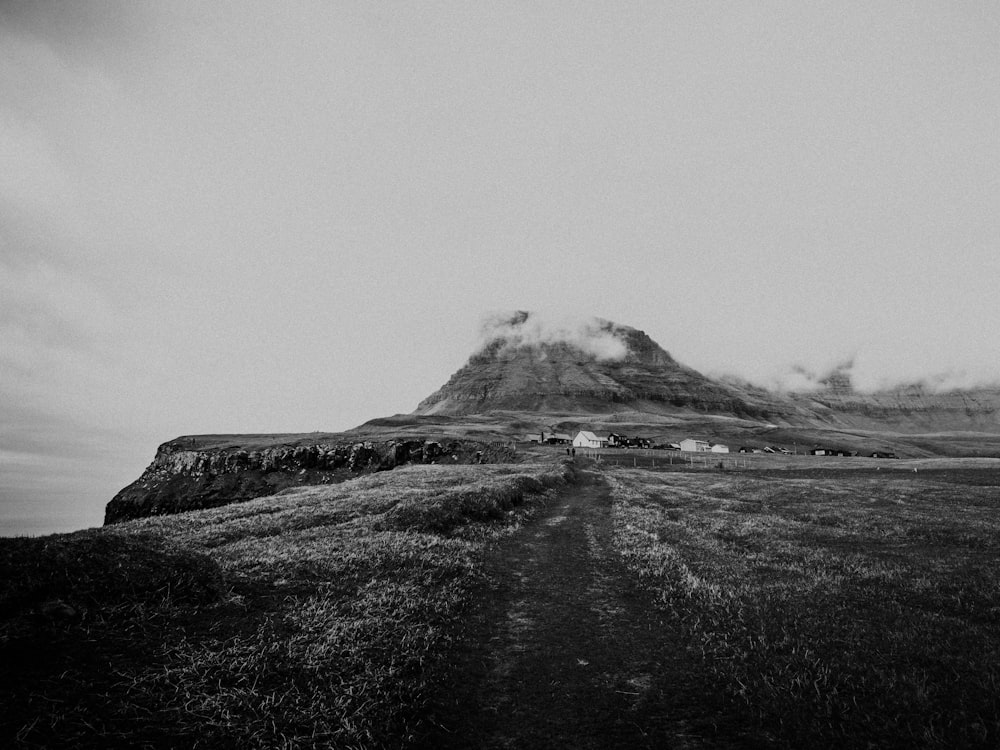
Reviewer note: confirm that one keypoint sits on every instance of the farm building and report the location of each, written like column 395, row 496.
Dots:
column 623, row 441
column 585, row 439
column 829, row 452
column 719, row 448
column 548, row 438
column 695, row 446
column 638, row 442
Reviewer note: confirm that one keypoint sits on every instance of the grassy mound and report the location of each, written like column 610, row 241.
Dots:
column 334, row 631
column 96, row 569
column 448, row 511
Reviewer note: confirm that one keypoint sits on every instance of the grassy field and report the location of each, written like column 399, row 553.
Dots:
column 830, row 603
column 846, row 610
column 317, row 617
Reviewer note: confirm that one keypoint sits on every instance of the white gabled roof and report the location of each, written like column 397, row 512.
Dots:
column 588, row 435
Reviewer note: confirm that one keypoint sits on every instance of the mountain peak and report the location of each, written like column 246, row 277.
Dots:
column 530, row 362
column 506, row 335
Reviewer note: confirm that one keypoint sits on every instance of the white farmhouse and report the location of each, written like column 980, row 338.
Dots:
column 695, row 446
column 585, row 439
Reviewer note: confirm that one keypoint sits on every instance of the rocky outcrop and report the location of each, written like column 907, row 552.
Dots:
column 182, row 477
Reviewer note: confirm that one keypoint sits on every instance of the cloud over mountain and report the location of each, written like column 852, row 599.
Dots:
column 592, row 336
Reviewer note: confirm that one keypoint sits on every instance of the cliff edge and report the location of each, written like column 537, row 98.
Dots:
column 190, row 473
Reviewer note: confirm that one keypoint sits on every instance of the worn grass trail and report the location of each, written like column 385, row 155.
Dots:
column 566, row 650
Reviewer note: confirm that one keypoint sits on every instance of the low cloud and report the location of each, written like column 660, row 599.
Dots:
column 876, row 372
column 593, row 336
column 868, row 372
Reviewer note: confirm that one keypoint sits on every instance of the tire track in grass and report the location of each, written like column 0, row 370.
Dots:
column 566, row 650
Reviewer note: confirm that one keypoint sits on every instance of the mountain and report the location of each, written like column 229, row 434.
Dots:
column 911, row 408
column 592, row 367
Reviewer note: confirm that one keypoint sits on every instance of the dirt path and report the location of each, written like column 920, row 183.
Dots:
column 566, row 651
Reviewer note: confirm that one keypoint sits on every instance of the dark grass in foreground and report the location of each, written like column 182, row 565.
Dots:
column 836, row 612
column 318, row 617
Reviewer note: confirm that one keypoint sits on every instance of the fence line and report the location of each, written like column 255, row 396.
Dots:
column 646, row 458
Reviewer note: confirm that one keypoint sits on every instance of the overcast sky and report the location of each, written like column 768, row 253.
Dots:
column 259, row 216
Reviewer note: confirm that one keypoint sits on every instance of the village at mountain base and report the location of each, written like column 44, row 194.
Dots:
column 591, row 440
